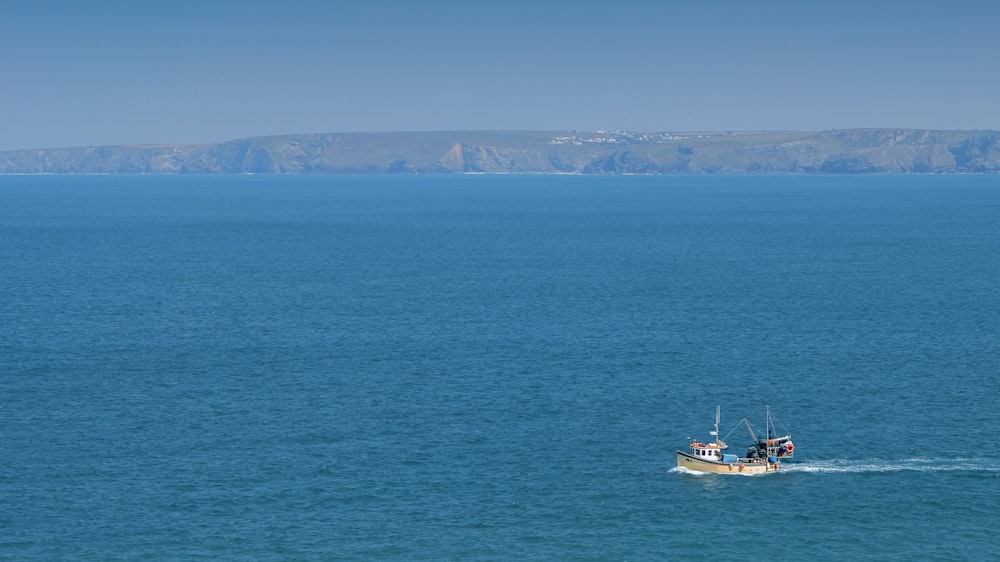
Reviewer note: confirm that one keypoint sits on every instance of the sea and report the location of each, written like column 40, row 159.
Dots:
column 496, row 367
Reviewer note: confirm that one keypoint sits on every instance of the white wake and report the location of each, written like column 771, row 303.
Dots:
column 902, row 465
column 842, row 466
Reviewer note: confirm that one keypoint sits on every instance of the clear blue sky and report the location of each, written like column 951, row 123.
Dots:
column 100, row 72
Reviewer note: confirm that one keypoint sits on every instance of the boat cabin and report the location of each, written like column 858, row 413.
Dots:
column 707, row 451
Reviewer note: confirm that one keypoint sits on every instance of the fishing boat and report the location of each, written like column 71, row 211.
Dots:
column 763, row 456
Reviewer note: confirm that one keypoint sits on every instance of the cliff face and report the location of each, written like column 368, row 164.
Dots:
column 599, row 152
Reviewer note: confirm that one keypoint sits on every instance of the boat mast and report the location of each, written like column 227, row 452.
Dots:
column 718, row 416
column 767, row 429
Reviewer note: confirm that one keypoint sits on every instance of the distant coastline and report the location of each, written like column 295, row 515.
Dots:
column 844, row 151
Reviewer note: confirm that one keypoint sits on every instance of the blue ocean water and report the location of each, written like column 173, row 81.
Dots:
column 495, row 367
